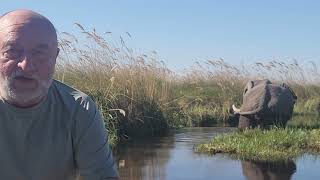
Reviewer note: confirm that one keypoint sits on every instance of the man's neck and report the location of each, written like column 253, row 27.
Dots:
column 26, row 104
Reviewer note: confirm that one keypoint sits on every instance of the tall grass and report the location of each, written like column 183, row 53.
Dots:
column 139, row 96
column 130, row 89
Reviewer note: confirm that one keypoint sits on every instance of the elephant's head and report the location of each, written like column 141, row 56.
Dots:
column 265, row 104
column 254, row 83
column 253, row 96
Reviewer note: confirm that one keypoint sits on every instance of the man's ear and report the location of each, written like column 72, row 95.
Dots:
column 54, row 60
column 58, row 50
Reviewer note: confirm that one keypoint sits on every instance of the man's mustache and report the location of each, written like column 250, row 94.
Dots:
column 19, row 74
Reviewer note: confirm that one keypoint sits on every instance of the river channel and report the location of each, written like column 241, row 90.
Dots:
column 172, row 158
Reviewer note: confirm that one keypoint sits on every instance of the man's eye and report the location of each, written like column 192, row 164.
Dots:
column 11, row 54
column 38, row 53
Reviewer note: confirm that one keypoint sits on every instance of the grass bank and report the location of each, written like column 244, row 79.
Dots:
column 265, row 145
column 139, row 96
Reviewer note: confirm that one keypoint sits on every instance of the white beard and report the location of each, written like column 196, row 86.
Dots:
column 10, row 94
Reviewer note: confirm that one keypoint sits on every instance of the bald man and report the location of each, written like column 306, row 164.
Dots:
column 48, row 130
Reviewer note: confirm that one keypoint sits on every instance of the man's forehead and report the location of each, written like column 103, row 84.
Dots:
column 22, row 31
column 11, row 43
column 8, row 26
column 31, row 33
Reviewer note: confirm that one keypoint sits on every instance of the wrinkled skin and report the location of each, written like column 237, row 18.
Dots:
column 266, row 104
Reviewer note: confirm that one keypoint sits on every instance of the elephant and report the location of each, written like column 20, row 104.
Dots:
column 265, row 104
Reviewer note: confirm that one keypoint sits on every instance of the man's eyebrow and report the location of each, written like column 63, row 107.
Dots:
column 9, row 43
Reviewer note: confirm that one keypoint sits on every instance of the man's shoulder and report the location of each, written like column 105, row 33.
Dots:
column 68, row 90
column 71, row 96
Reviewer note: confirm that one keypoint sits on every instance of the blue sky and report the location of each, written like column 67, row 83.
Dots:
column 186, row 31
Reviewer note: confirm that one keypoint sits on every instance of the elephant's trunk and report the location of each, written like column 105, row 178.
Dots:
column 235, row 109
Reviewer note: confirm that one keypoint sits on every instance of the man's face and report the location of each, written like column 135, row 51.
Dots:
column 28, row 54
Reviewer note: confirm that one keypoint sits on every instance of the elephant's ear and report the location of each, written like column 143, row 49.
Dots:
column 292, row 92
column 255, row 100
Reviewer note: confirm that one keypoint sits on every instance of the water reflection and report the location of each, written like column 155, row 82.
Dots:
column 145, row 159
column 255, row 170
column 172, row 158
column 157, row 158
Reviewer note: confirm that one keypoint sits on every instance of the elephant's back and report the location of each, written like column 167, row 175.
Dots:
column 281, row 99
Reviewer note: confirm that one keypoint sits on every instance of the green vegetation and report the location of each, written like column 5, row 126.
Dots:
column 139, row 96
column 265, row 145
column 308, row 121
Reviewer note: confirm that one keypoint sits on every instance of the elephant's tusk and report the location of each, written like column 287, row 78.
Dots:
column 236, row 110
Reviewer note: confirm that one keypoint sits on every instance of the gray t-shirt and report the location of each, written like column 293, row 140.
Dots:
column 58, row 139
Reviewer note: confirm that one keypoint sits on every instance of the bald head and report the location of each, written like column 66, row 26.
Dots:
column 26, row 17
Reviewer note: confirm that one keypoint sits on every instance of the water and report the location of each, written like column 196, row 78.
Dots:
column 172, row 158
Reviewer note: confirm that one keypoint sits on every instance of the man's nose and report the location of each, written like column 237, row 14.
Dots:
column 26, row 64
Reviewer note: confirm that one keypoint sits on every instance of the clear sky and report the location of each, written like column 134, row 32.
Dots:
column 186, row 31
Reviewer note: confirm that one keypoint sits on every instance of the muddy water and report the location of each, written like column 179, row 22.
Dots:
column 172, row 158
